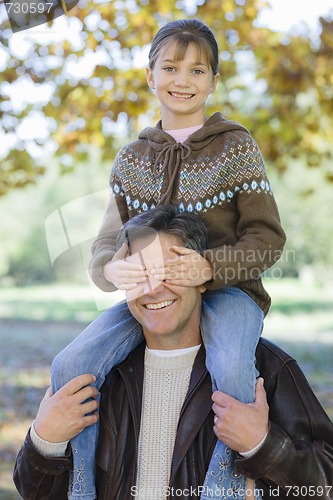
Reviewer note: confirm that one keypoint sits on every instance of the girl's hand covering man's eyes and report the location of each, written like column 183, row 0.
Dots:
column 123, row 274
column 187, row 268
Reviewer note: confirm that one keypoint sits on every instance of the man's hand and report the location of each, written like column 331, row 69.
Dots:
column 62, row 416
column 123, row 274
column 241, row 426
column 187, row 268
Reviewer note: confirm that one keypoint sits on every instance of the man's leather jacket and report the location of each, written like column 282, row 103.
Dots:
column 295, row 461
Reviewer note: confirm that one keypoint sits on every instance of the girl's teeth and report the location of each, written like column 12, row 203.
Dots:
column 184, row 96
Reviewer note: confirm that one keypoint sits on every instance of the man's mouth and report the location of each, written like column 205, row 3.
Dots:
column 159, row 305
column 181, row 96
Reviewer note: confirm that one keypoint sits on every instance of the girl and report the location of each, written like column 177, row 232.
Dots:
column 213, row 167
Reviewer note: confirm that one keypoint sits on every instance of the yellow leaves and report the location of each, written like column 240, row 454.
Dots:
column 283, row 124
column 327, row 33
column 17, row 171
column 228, row 5
column 251, row 12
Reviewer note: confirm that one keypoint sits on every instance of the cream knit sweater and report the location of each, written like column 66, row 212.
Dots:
column 166, row 381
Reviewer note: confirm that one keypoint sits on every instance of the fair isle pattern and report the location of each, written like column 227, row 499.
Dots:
column 135, row 175
column 218, row 173
column 204, row 182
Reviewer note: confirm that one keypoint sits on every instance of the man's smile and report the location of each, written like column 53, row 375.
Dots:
column 159, row 305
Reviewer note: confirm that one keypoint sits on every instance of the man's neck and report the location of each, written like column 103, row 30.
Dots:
column 174, row 341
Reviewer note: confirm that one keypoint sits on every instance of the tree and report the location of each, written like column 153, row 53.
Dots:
column 290, row 116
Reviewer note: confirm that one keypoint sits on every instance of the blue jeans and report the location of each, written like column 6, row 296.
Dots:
column 231, row 324
column 102, row 345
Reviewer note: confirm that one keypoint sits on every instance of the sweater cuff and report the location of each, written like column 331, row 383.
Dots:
column 46, row 448
column 96, row 273
column 273, row 450
column 250, row 453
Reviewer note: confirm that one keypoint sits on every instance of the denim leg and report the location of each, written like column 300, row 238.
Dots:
column 231, row 325
column 103, row 344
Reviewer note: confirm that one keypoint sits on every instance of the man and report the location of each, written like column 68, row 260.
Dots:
column 158, row 426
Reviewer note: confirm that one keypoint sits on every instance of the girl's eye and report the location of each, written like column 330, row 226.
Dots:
column 168, row 68
column 198, row 72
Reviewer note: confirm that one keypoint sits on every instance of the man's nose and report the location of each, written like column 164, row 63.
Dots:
column 152, row 285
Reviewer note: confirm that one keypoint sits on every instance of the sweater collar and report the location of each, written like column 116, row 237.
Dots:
column 216, row 124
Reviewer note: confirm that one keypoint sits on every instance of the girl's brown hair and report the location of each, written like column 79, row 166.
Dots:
column 185, row 32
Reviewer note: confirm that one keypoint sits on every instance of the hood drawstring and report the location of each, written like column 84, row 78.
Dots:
column 173, row 155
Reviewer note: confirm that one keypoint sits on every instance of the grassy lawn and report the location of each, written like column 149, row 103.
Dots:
column 38, row 321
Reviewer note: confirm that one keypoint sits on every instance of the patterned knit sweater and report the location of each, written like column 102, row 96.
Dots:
column 218, row 173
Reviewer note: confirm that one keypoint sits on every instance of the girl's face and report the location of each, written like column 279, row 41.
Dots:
column 182, row 87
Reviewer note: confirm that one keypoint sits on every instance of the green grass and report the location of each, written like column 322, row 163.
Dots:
column 56, row 302
column 39, row 321
column 68, row 302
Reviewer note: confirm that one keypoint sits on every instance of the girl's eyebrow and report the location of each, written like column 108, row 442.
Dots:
column 194, row 64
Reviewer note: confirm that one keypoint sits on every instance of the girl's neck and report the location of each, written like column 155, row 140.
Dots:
column 181, row 121
column 181, row 134
column 181, row 124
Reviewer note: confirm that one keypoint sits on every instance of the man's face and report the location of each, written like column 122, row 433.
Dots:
column 169, row 314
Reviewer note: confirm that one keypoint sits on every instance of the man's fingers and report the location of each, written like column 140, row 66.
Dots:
column 223, row 399
column 260, row 397
column 48, row 394
column 90, row 420
column 260, row 385
column 88, row 392
column 89, row 407
column 77, row 383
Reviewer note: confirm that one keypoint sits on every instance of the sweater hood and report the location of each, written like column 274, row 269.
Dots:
column 171, row 153
column 158, row 139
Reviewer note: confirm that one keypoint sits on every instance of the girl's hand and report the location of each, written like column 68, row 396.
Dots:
column 123, row 274
column 187, row 268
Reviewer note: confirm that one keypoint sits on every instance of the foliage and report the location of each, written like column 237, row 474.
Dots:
column 303, row 197
column 24, row 254
column 287, row 105
column 304, row 200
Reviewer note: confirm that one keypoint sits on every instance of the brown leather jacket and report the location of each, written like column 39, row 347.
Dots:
column 296, row 460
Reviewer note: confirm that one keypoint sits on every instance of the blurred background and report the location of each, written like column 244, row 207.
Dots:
column 73, row 92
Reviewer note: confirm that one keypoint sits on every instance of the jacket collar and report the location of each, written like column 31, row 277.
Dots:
column 194, row 411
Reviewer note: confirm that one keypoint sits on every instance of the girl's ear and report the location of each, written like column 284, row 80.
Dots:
column 150, row 78
column 214, row 82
